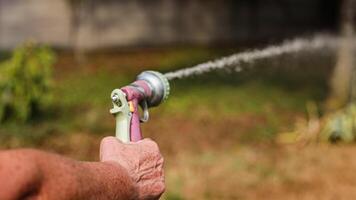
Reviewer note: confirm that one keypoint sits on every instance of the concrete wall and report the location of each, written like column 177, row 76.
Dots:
column 109, row 23
column 41, row 20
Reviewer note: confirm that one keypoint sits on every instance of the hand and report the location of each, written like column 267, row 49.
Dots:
column 142, row 160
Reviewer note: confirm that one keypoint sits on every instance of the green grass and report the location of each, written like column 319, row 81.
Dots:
column 88, row 89
column 251, row 97
column 82, row 97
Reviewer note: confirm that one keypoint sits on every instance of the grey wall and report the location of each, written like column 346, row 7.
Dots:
column 108, row 23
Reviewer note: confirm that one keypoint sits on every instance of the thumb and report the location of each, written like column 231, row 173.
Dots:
column 108, row 147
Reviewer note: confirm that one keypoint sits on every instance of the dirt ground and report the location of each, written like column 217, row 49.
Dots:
column 287, row 173
column 255, row 171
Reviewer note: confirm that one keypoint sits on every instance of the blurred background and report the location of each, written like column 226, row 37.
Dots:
column 283, row 128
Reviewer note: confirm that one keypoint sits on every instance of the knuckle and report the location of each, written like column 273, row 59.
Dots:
column 158, row 189
column 152, row 144
column 109, row 140
column 160, row 161
column 161, row 188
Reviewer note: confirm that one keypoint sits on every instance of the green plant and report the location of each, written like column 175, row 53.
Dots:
column 25, row 82
column 341, row 125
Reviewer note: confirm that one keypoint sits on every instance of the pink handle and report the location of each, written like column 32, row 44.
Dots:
column 135, row 130
column 134, row 96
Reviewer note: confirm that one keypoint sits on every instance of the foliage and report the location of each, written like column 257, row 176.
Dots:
column 341, row 125
column 25, row 82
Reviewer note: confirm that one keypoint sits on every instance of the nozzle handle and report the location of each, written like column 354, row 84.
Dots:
column 135, row 129
column 121, row 111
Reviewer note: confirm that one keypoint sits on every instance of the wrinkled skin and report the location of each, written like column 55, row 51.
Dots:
column 143, row 161
column 126, row 171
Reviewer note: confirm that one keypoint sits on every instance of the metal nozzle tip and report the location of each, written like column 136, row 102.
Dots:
column 159, row 84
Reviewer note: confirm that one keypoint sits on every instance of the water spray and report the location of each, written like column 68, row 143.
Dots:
column 149, row 89
column 234, row 62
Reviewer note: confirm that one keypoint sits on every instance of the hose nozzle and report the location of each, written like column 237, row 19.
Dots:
column 159, row 87
column 150, row 89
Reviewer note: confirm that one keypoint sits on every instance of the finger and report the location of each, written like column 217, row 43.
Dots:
column 152, row 145
column 152, row 191
column 145, row 140
column 108, row 145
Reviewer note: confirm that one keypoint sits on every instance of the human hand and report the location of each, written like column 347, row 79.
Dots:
column 143, row 162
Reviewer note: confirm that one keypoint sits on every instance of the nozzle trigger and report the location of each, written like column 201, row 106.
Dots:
column 146, row 114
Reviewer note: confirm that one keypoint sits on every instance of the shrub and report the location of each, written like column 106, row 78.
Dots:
column 25, row 82
column 341, row 125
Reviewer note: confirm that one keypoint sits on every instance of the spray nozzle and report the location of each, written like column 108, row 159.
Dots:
column 159, row 87
column 149, row 90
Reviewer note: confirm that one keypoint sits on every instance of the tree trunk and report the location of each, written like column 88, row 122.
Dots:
column 343, row 79
column 77, row 15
